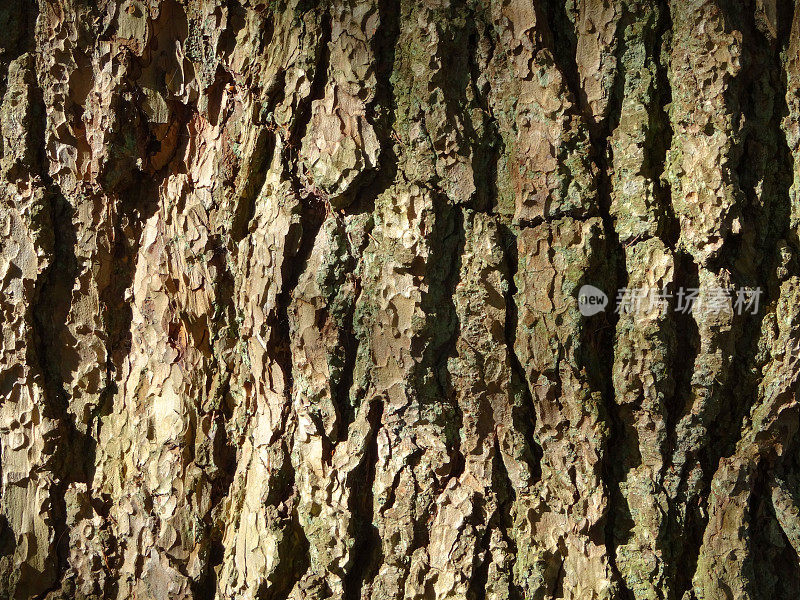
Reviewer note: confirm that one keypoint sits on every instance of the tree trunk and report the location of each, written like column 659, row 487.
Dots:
column 290, row 299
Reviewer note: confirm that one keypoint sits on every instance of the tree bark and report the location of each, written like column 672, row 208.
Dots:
column 289, row 299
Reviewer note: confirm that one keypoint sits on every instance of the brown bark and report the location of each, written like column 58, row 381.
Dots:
column 289, row 299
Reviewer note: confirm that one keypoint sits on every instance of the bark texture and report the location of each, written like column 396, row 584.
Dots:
column 288, row 299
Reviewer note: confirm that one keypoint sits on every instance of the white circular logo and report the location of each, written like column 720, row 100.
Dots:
column 591, row 300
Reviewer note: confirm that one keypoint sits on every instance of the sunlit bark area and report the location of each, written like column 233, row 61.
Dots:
column 289, row 293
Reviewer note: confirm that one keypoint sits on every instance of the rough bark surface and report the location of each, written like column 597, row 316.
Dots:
column 288, row 299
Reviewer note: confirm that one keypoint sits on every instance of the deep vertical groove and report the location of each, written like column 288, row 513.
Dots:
column 562, row 41
column 524, row 414
column 560, row 38
column 608, row 333
column 382, row 113
column 366, row 552
column 312, row 213
column 52, row 295
column 684, row 553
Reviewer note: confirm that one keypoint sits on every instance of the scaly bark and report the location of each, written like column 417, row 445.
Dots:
column 289, row 299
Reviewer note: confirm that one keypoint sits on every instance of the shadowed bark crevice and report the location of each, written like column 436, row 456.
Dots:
column 600, row 334
column 370, row 184
column 313, row 210
column 524, row 411
column 368, row 187
column 663, row 133
column 690, row 530
column 772, row 563
column 558, row 35
column 480, row 567
column 51, row 289
column 366, row 552
column 293, row 558
column 487, row 151
column 452, row 248
column 342, row 385
column 764, row 176
column 72, row 450
column 246, row 204
column 302, row 117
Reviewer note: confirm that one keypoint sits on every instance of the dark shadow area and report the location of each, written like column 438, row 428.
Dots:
column 368, row 187
column 773, row 562
column 559, row 37
column 688, row 535
column 366, row 554
column 524, row 409
column 294, row 558
column 763, row 171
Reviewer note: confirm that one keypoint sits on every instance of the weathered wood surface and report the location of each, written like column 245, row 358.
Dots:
column 288, row 299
